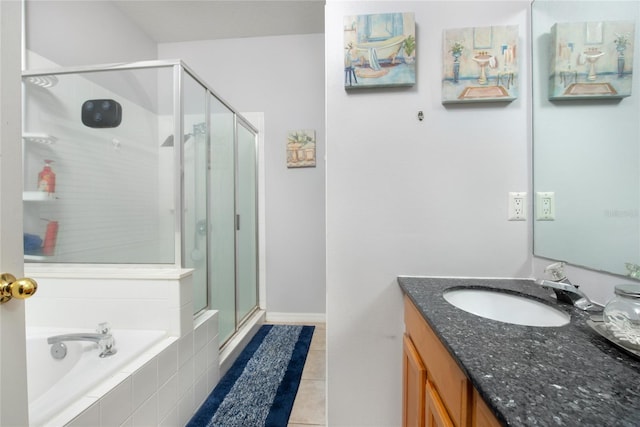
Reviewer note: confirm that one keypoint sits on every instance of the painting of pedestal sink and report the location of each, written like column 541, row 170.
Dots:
column 480, row 64
column 591, row 60
column 379, row 50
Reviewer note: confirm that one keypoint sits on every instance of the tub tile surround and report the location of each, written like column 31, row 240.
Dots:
column 565, row 375
column 163, row 386
column 80, row 297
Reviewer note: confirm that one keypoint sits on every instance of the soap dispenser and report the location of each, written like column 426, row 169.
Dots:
column 47, row 178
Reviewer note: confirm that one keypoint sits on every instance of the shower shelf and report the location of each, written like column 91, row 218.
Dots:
column 37, row 196
column 41, row 138
column 45, row 81
column 35, row 257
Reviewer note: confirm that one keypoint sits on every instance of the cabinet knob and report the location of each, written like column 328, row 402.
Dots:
column 10, row 287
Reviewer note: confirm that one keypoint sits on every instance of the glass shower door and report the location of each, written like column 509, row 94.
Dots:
column 233, row 279
column 222, row 217
column 194, row 146
column 247, row 230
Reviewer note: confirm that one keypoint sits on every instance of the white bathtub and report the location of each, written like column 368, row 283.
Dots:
column 385, row 49
column 54, row 385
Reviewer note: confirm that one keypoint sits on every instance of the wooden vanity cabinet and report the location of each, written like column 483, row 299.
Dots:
column 413, row 381
column 482, row 415
column 435, row 390
column 436, row 414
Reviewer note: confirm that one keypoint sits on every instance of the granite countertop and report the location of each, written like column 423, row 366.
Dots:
column 542, row 376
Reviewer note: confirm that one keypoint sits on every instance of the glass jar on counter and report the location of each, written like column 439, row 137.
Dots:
column 622, row 315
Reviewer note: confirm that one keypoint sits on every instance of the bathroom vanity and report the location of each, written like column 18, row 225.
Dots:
column 435, row 390
column 460, row 369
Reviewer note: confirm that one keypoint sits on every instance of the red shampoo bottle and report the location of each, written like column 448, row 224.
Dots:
column 47, row 178
column 49, row 244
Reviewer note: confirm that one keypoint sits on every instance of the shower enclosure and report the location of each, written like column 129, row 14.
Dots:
column 142, row 163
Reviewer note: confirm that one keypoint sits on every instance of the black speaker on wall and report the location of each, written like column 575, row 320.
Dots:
column 101, row 113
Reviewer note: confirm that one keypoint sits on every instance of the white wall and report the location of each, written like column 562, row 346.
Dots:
column 413, row 198
column 78, row 33
column 84, row 33
column 283, row 77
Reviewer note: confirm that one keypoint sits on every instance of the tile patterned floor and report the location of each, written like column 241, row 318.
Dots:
column 309, row 406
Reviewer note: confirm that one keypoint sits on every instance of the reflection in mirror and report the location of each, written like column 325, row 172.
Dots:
column 586, row 150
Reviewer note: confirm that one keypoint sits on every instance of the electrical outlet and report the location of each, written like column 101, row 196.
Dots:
column 517, row 206
column 545, row 206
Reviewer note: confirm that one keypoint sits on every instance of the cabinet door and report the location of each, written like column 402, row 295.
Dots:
column 482, row 415
column 435, row 413
column 454, row 390
column 414, row 378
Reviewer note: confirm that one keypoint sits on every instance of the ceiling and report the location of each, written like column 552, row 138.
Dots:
column 167, row 21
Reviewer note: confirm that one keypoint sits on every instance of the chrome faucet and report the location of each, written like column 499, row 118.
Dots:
column 102, row 337
column 566, row 291
column 569, row 293
column 82, row 336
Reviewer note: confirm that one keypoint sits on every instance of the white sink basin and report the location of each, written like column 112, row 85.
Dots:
column 504, row 307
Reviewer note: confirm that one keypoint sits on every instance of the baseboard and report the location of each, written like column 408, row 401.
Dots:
column 296, row 317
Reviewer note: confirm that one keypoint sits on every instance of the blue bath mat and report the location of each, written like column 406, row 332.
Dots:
column 260, row 387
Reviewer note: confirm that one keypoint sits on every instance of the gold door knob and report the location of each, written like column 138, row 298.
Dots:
column 10, row 287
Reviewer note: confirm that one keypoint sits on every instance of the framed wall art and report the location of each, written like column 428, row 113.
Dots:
column 379, row 50
column 480, row 64
column 591, row 60
column 301, row 149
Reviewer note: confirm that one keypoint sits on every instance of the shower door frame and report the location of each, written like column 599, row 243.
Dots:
column 239, row 120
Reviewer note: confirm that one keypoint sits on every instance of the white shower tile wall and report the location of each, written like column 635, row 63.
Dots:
column 163, row 390
column 127, row 298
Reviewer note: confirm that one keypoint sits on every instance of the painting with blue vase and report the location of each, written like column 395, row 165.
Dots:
column 591, row 60
column 480, row 64
column 379, row 50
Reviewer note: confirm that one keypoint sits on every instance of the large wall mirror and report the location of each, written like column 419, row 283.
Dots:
column 586, row 140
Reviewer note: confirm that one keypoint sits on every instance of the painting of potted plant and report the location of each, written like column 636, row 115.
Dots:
column 409, row 48
column 456, row 51
column 621, row 41
column 301, row 148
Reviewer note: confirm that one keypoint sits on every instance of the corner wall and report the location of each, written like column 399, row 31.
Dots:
column 406, row 197
column 84, row 33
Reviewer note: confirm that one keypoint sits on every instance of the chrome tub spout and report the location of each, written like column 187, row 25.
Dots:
column 96, row 338
column 105, row 343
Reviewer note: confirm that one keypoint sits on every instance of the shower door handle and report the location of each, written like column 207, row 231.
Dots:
column 10, row 287
column 237, row 222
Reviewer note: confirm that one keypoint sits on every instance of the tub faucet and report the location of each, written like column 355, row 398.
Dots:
column 103, row 338
column 566, row 291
